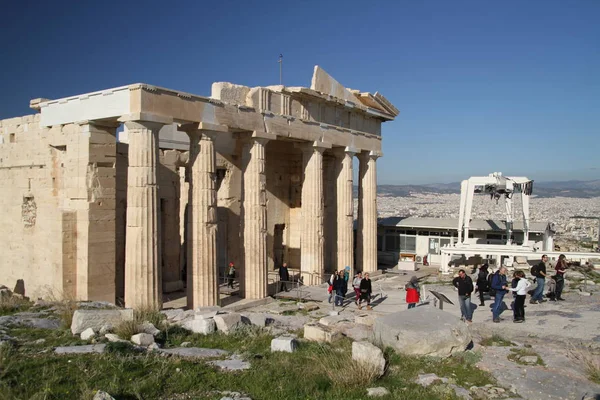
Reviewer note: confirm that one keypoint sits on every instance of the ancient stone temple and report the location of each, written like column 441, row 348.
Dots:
column 138, row 190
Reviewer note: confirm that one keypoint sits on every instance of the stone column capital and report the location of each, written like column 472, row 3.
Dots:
column 369, row 155
column 202, row 127
column 342, row 151
column 314, row 146
column 153, row 126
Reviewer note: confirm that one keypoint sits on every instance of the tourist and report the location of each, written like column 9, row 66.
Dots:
column 284, row 277
column 412, row 292
column 330, row 288
column 346, row 279
column 464, row 284
column 365, row 292
column 539, row 272
column 482, row 282
column 356, row 286
column 521, row 292
column 230, row 275
column 499, row 285
column 338, row 287
column 560, row 268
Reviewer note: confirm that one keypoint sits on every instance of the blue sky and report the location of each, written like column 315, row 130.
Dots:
column 511, row 86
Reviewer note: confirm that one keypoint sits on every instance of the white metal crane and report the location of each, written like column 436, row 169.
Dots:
column 496, row 185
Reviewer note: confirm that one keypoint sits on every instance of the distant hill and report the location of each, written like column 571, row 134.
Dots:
column 576, row 189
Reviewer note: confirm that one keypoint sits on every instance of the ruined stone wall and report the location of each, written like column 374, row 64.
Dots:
column 53, row 182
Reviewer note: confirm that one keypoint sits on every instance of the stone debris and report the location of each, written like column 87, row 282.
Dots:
column 85, row 349
column 309, row 306
column 194, row 352
column 487, row 392
column 531, row 360
column 234, row 363
column 368, row 353
column 284, row 343
column 40, row 341
column 100, row 395
column 106, row 328
column 425, row 331
column 154, row 346
column 111, row 337
column 232, row 395
column 377, row 392
column 31, row 320
column 460, row 392
column 228, row 323
column 332, row 320
column 95, row 319
column 365, row 319
column 202, row 326
column 257, row 319
column 143, row 339
column 319, row 333
column 185, row 344
column 88, row 334
column 428, row 379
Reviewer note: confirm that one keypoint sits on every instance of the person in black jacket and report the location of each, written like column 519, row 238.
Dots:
column 339, row 285
column 464, row 284
column 482, row 282
column 284, row 277
column 365, row 292
column 540, row 278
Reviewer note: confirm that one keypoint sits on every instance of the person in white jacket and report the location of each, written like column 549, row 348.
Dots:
column 521, row 290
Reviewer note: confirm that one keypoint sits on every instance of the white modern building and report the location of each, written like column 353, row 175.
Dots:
column 413, row 238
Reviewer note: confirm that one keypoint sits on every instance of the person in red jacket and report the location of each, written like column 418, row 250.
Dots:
column 412, row 292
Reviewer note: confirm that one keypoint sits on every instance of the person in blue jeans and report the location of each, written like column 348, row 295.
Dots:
column 500, row 286
column 464, row 284
column 540, row 278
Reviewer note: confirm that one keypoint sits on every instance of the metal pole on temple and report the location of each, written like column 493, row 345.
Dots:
column 280, row 69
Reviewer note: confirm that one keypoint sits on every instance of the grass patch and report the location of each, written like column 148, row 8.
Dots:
column 52, row 338
column 516, row 354
column 127, row 329
column 13, row 304
column 496, row 340
column 589, row 359
column 314, row 371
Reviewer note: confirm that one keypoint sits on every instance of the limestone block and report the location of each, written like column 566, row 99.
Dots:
column 154, row 346
column 95, row 319
column 100, row 395
column 227, row 323
column 111, row 337
column 194, row 352
column 286, row 344
column 365, row 319
column 368, row 353
column 202, row 326
column 149, row 328
column 106, row 328
column 88, row 334
column 319, row 333
column 85, row 349
column 425, row 331
column 257, row 319
column 331, row 320
column 143, row 339
column 377, row 392
column 427, row 379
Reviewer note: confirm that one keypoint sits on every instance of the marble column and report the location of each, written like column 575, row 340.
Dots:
column 312, row 264
column 367, row 234
column 255, row 219
column 345, row 209
column 202, row 270
column 142, row 251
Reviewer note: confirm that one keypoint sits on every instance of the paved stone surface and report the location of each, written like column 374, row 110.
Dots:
column 231, row 364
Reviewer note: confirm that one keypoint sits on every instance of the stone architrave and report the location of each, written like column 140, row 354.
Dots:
column 312, row 246
column 143, row 284
column 367, row 212
column 255, row 218
column 345, row 209
column 202, row 271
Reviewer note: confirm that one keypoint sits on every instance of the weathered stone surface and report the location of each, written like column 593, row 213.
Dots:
column 171, row 314
column 194, row 352
column 106, row 328
column 95, row 319
column 143, row 339
column 257, row 319
column 154, row 346
column 309, row 306
column 111, row 337
column 331, row 320
column 427, row 379
column 232, row 364
column 203, row 326
column 377, row 392
column 368, row 353
column 365, row 319
column 423, row 331
column 85, row 349
column 460, row 392
column 100, row 395
column 531, row 360
column 319, row 333
column 228, row 323
column 285, row 344
column 88, row 334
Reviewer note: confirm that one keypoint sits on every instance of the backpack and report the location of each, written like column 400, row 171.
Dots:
column 534, row 270
column 492, row 291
